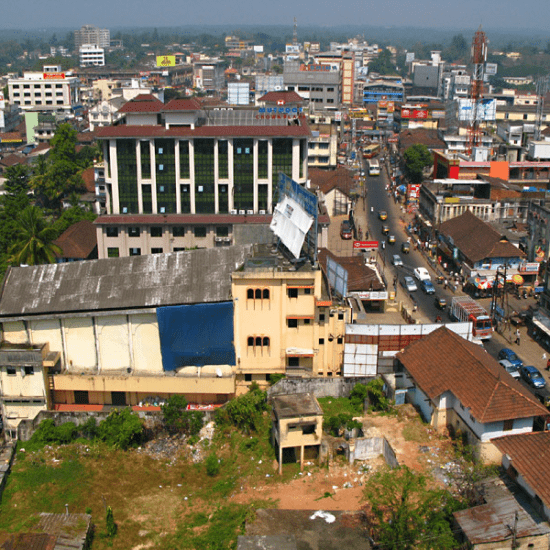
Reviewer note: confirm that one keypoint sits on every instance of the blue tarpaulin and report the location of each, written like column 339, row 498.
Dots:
column 196, row 335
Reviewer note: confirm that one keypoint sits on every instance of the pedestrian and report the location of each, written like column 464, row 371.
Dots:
column 518, row 336
column 548, row 364
column 445, row 283
column 372, row 208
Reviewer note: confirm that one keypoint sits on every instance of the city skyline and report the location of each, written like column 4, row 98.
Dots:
column 32, row 14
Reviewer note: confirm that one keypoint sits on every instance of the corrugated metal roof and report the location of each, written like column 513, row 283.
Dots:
column 196, row 276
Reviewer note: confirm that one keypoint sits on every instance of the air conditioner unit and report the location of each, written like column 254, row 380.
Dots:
column 262, row 212
column 250, row 212
column 234, row 212
column 242, row 212
column 162, row 209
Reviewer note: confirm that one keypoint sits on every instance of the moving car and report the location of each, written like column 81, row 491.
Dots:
column 396, row 260
column 421, row 273
column 345, row 230
column 383, row 215
column 385, row 229
column 509, row 355
column 532, row 376
column 509, row 368
column 406, row 247
column 427, row 286
column 391, row 239
column 440, row 303
column 409, row 284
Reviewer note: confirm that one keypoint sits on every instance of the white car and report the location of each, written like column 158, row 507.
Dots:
column 421, row 273
column 396, row 260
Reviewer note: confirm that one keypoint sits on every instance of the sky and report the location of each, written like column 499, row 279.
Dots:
column 43, row 14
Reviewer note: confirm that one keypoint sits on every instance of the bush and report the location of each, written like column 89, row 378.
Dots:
column 274, row 378
column 358, row 396
column 212, row 465
column 377, row 399
column 178, row 419
column 110, row 523
column 334, row 424
column 121, row 429
column 244, row 412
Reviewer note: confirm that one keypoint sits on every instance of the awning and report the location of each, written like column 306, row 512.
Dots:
column 299, row 352
column 300, row 317
column 300, row 286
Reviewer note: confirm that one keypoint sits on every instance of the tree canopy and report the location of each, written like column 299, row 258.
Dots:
column 417, row 157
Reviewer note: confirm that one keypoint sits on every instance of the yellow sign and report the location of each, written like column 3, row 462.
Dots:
column 166, row 60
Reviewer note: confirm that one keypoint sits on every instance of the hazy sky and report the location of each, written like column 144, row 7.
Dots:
column 149, row 13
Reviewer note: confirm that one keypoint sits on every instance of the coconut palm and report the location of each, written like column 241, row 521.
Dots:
column 33, row 239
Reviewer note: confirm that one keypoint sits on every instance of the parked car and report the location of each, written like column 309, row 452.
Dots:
column 409, row 284
column 509, row 368
column 406, row 247
column 391, row 239
column 345, row 230
column 543, row 395
column 421, row 273
column 510, row 355
column 440, row 303
column 396, row 260
column 383, row 215
column 385, row 229
column 532, row 376
column 427, row 286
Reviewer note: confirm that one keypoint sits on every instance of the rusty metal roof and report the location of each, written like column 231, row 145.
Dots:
column 195, row 276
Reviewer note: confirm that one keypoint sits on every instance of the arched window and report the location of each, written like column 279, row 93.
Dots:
column 250, row 294
column 265, row 342
column 251, row 340
column 258, row 294
column 266, row 294
column 258, row 341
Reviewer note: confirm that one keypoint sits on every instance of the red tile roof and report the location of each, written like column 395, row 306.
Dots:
column 287, row 97
column 128, row 131
column 470, row 374
column 143, row 103
column 182, row 105
column 530, row 454
column 477, row 240
column 13, row 159
column 327, row 180
column 78, row 241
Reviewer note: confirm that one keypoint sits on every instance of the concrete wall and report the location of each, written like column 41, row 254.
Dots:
column 319, row 387
column 370, row 447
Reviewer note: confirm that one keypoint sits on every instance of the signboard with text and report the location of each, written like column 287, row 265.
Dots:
column 53, row 76
column 365, row 245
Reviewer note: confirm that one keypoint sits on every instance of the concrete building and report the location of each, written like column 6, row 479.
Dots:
column 90, row 55
column 209, row 75
column 50, row 90
column 88, row 34
column 176, row 172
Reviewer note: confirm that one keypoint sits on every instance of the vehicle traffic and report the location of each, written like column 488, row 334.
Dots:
column 467, row 310
column 422, row 274
column 391, row 239
column 345, row 230
column 382, row 215
column 385, row 229
column 374, row 167
column 371, row 150
column 406, row 247
column 532, row 376
column 427, row 286
column 396, row 260
column 409, row 284
column 512, row 370
column 440, row 303
column 509, row 355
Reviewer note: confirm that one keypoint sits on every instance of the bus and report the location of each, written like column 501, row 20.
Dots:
column 374, row 167
column 371, row 150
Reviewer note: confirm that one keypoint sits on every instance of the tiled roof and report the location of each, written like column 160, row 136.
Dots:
column 182, row 105
column 360, row 276
column 288, row 97
column 530, row 454
column 78, row 240
column 327, row 180
column 469, row 373
column 426, row 137
column 126, row 131
column 477, row 240
column 143, row 103
column 89, row 179
column 13, row 159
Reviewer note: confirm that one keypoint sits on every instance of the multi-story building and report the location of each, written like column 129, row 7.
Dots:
column 50, row 90
column 91, row 55
column 383, row 89
column 89, row 34
column 208, row 75
column 179, row 175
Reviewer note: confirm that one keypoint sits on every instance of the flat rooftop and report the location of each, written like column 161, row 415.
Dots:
column 299, row 404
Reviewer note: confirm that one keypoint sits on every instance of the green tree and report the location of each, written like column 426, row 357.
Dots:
column 70, row 216
column 18, row 179
column 178, row 419
column 121, row 429
column 383, row 63
column 404, row 514
column 64, row 144
column 244, row 412
column 33, row 239
column 417, row 157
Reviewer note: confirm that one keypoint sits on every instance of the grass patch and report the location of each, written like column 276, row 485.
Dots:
column 333, row 406
column 414, row 430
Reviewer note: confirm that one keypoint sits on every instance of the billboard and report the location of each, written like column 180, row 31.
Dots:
column 337, row 277
column 491, row 69
column 409, row 57
column 291, row 223
column 365, row 245
column 166, row 60
column 486, row 111
column 53, row 76
column 416, row 114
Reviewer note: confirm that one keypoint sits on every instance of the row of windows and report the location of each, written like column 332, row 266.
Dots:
column 258, row 341
column 12, row 371
column 177, row 231
column 47, row 102
column 257, row 293
column 114, row 252
column 35, row 86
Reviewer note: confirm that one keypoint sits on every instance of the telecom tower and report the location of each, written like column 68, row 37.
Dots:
column 479, row 56
column 542, row 88
column 295, row 33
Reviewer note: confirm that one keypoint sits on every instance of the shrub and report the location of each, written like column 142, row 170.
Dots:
column 178, row 419
column 212, row 465
column 110, row 523
column 121, row 429
column 334, row 424
column 244, row 412
column 274, row 378
column 358, row 396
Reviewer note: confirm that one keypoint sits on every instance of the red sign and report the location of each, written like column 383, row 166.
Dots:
column 52, row 76
column 414, row 113
column 365, row 245
column 414, row 190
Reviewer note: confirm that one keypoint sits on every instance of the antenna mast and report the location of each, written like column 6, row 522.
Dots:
column 542, row 88
column 479, row 56
column 295, row 34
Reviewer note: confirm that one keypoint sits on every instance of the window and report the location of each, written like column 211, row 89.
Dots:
column 321, row 341
column 200, row 231
column 135, row 251
column 307, row 321
column 293, row 361
column 292, row 323
column 265, row 294
column 321, row 317
column 112, row 231
column 178, row 231
column 156, row 231
column 133, row 232
column 250, row 294
column 307, row 290
column 508, row 425
column 81, row 397
column 222, row 231
column 340, row 315
column 156, row 250
column 248, row 377
column 11, row 371
column 113, row 252
column 292, row 292
column 339, row 340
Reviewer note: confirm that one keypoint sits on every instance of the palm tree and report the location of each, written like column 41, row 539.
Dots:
column 34, row 239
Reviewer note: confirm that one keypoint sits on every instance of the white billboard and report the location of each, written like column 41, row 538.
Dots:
column 291, row 223
column 486, row 111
